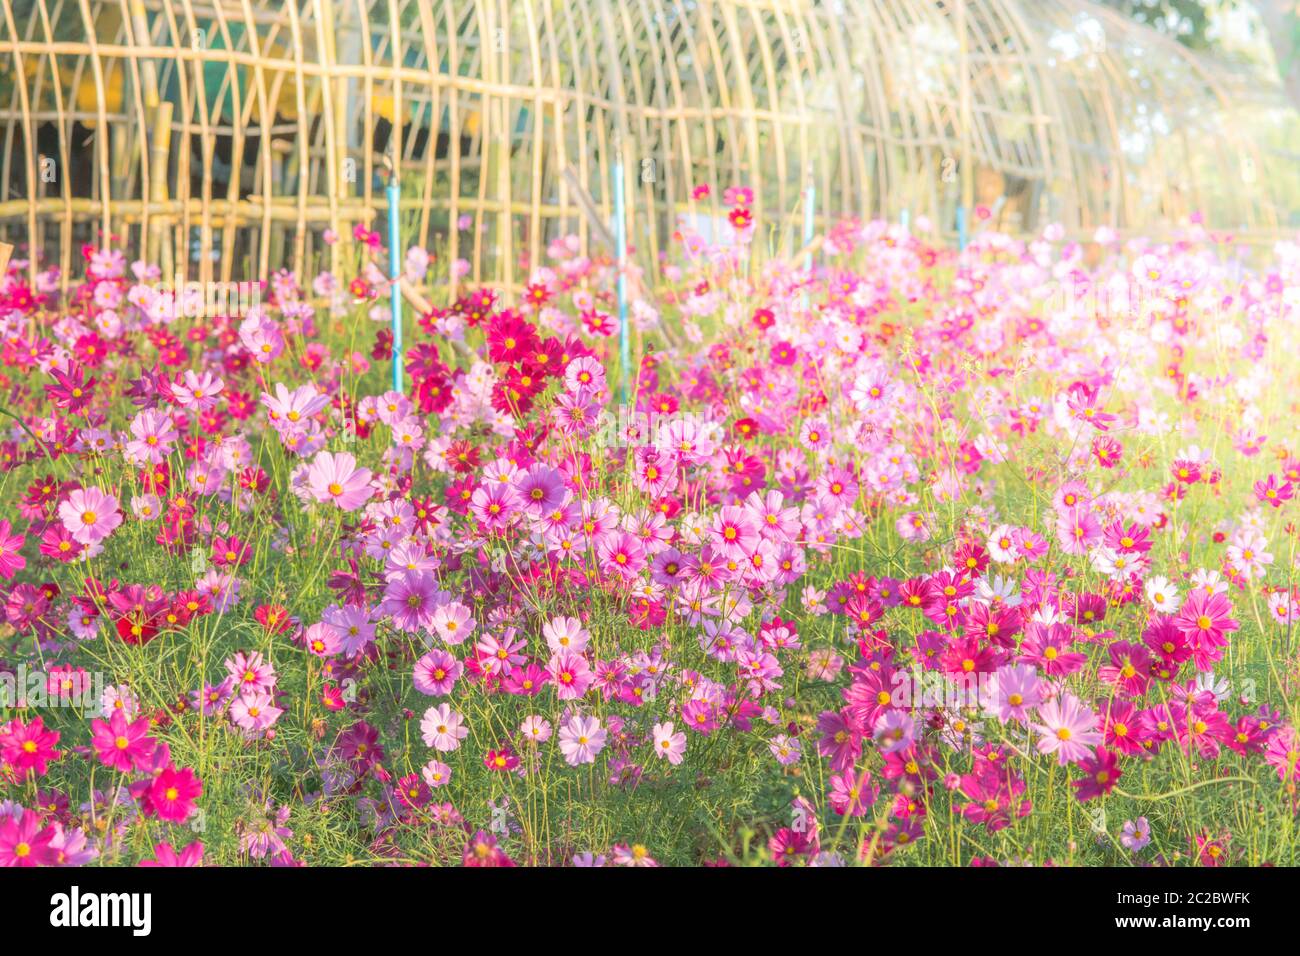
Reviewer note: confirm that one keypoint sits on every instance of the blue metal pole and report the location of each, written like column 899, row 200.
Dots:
column 961, row 227
column 395, row 258
column 620, row 241
column 905, row 219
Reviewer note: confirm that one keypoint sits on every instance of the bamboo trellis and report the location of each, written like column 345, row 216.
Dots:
column 227, row 136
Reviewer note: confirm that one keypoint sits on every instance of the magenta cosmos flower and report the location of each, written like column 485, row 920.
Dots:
column 24, row 842
column 90, row 515
column 336, row 477
column 165, row 855
column 172, row 795
column 120, row 744
column 11, row 562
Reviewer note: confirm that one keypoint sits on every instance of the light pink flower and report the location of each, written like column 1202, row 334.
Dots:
column 90, row 515
column 335, row 477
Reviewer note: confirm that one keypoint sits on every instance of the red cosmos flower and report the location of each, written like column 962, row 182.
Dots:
column 1211, row 851
column 788, row 846
column 274, row 617
column 41, row 494
column 1129, row 668
column 537, row 294
column 511, row 339
column 186, row 606
column 230, row 552
column 764, row 318
column 462, row 456
column 382, row 350
column 90, row 349
column 740, row 218
column 255, row 480
column 503, row 759
column 136, row 628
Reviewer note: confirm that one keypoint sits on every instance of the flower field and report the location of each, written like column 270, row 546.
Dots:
column 902, row 556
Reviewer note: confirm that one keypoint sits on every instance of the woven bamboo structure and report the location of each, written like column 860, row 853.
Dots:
column 225, row 136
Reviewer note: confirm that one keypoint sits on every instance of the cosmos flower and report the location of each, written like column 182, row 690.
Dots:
column 336, row 478
column 443, row 729
column 581, row 739
column 668, row 745
column 1067, row 728
column 90, row 515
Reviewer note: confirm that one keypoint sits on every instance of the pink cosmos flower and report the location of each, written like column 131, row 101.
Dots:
column 250, row 672
column 153, row 435
column 436, row 673
column 436, row 774
column 581, row 739
column 335, row 477
column 71, row 847
column 500, row 655
column 565, row 634
column 201, row 392
column 443, row 729
column 734, row 532
column 668, row 745
column 621, row 553
column 1014, row 691
column 90, row 515
column 1068, row 729
column 495, row 505
column 453, row 622
column 261, row 336
column 28, row 746
column 571, row 675
column 290, row 411
column 535, row 729
column 1206, row 620
column 254, row 711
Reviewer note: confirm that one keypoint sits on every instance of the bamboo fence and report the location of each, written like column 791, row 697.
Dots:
column 222, row 137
